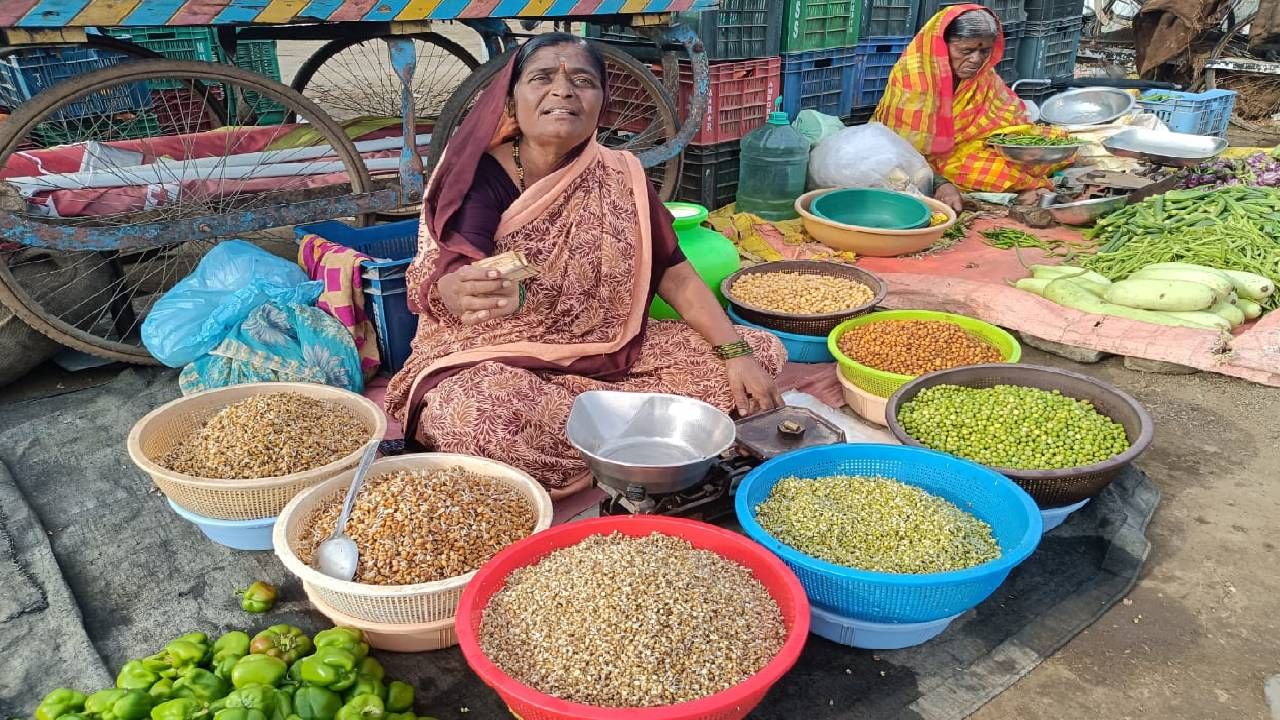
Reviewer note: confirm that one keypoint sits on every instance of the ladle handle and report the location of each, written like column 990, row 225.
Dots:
column 356, row 482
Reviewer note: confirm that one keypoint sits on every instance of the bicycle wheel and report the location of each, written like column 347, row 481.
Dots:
column 353, row 77
column 640, row 114
column 127, row 159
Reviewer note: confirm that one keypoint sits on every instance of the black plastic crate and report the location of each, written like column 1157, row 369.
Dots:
column 738, row 30
column 860, row 116
column 709, row 174
column 1009, row 11
column 1007, row 68
column 889, row 19
column 876, row 59
column 1048, row 50
column 1046, row 10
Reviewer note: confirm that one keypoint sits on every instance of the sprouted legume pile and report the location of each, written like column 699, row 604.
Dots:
column 617, row 621
column 268, row 435
column 424, row 525
column 800, row 293
column 1013, row 427
column 875, row 523
column 915, row 347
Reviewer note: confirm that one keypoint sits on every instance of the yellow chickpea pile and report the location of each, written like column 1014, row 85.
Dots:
column 800, row 293
column 915, row 347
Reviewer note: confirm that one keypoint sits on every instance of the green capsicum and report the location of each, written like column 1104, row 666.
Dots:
column 75, row 716
column 101, row 702
column 200, row 684
column 366, row 686
column 371, row 668
column 135, row 675
column 62, row 701
column 362, row 707
column 285, row 642
column 239, row 714
column 227, row 651
column 184, row 652
column 162, row 690
column 399, row 697
column 258, row 670
column 330, row 667
column 284, row 705
column 400, row 716
column 253, row 697
column 349, row 639
column 179, row 709
column 258, row 597
column 316, row 703
column 135, row 705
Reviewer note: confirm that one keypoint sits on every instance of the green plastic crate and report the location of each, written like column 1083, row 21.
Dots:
column 820, row 25
column 175, row 43
column 54, row 133
column 260, row 56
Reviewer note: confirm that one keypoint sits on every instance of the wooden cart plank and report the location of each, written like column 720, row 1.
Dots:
column 53, row 13
column 11, row 11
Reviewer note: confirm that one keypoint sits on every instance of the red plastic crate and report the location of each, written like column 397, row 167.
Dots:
column 741, row 97
column 182, row 111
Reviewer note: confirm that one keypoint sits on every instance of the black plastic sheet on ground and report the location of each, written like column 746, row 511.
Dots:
column 96, row 570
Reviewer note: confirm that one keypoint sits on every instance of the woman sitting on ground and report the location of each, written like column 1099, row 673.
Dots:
column 945, row 98
column 496, row 364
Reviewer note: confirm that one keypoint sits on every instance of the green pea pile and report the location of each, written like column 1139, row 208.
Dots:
column 1014, row 427
column 875, row 523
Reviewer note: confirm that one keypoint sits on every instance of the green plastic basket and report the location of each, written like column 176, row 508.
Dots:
column 883, row 384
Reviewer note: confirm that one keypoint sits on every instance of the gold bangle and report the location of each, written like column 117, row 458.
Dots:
column 732, row 350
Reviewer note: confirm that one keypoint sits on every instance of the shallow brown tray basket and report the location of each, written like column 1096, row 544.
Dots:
column 1049, row 488
column 811, row 325
column 161, row 429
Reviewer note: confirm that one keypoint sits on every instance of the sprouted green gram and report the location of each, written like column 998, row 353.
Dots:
column 1032, row 141
column 875, row 523
column 1014, row 427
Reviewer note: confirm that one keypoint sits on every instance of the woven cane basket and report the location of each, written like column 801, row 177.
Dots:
column 161, row 429
column 812, row 325
column 404, row 604
column 1049, row 488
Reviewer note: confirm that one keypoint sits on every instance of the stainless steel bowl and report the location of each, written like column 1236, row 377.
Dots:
column 1037, row 155
column 1164, row 148
column 1086, row 212
column 1087, row 106
column 647, row 441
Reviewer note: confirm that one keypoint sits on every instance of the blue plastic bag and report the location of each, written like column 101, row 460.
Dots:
column 232, row 280
column 279, row 343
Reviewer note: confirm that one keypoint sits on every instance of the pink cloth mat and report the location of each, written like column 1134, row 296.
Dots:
column 816, row 380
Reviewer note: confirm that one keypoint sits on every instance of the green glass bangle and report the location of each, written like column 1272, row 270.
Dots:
column 732, row 350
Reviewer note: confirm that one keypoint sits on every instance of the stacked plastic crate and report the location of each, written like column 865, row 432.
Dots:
column 742, row 40
column 887, row 29
column 1049, row 43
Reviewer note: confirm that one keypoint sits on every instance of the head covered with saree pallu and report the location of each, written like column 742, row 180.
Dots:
column 585, row 227
column 949, row 122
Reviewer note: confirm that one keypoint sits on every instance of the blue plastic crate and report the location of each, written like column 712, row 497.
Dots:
column 392, row 246
column 875, row 60
column 809, row 349
column 1205, row 113
column 883, row 597
column 889, row 19
column 1047, row 50
column 819, row 80
column 26, row 73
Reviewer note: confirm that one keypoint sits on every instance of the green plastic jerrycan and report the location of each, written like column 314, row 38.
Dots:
column 712, row 255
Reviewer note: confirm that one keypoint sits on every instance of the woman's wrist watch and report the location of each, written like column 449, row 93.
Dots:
column 729, row 351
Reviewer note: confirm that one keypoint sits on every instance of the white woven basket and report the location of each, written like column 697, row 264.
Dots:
column 161, row 429
column 404, row 604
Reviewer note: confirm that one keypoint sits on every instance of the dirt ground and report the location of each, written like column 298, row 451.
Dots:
column 1197, row 637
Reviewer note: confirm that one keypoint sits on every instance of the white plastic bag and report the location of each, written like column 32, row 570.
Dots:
column 872, row 156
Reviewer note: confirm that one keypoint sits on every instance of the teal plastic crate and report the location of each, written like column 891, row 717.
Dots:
column 820, row 24
column 1205, row 113
column 260, row 56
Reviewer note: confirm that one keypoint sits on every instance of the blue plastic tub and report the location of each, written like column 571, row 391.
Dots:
column 392, row 246
column 235, row 534
column 809, row 349
column 1053, row 517
column 872, row 635
column 882, row 597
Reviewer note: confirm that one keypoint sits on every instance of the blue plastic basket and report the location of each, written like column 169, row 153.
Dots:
column 392, row 246
column 235, row 534
column 819, row 80
column 800, row 348
column 891, row 597
column 1206, row 113
column 876, row 59
column 27, row 72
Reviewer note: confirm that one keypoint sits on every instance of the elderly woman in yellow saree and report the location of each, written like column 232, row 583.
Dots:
column 945, row 98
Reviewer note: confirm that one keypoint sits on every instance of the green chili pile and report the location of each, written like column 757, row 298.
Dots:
column 1032, row 141
column 1009, row 238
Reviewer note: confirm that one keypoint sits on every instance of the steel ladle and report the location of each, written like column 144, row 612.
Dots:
column 338, row 556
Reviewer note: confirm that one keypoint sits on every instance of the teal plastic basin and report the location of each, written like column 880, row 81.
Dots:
column 871, row 208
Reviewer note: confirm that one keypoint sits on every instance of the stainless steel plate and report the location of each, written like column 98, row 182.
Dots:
column 1164, row 148
column 1086, row 212
column 1086, row 106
